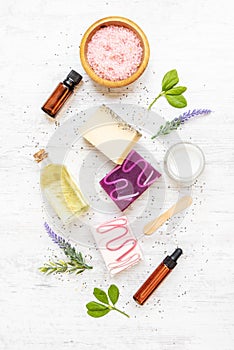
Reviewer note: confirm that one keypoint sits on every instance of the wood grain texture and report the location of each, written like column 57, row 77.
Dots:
column 182, row 204
column 193, row 309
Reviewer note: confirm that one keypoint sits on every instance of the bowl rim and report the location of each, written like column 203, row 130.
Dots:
column 108, row 21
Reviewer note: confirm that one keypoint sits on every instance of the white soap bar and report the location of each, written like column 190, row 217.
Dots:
column 110, row 134
column 117, row 244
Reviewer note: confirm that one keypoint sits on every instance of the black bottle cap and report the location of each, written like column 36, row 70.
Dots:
column 171, row 261
column 74, row 77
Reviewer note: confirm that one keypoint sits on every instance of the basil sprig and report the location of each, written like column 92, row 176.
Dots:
column 173, row 93
column 95, row 309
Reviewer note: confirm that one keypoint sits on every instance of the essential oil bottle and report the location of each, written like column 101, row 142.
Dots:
column 159, row 274
column 61, row 94
column 60, row 190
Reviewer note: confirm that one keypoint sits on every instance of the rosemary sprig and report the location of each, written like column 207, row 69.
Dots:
column 62, row 266
column 76, row 263
column 176, row 122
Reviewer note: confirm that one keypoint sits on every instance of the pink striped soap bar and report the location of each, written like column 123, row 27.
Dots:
column 126, row 182
column 117, row 244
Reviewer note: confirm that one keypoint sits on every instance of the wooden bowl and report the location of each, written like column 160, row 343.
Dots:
column 120, row 21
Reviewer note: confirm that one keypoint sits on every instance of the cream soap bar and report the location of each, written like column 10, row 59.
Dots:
column 117, row 244
column 109, row 133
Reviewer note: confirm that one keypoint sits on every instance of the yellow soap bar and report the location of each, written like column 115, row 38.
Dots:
column 110, row 134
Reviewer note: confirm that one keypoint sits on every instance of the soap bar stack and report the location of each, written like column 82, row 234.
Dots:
column 130, row 177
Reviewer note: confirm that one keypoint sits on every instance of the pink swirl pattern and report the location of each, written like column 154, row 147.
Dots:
column 121, row 248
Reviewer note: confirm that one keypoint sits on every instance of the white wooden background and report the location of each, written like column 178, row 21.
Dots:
column 194, row 308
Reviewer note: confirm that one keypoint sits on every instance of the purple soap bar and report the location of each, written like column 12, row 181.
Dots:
column 126, row 182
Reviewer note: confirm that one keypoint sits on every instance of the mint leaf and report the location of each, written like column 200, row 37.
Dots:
column 170, row 79
column 177, row 101
column 94, row 306
column 113, row 293
column 101, row 295
column 178, row 90
column 97, row 314
column 95, row 309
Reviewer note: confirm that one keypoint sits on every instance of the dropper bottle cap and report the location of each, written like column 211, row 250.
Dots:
column 171, row 260
column 72, row 79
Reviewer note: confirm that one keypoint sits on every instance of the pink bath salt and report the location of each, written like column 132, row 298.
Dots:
column 114, row 53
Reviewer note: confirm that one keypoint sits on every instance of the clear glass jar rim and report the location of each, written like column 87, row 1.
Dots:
column 195, row 175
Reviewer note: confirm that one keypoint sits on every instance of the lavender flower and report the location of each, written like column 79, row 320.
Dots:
column 187, row 115
column 176, row 122
column 55, row 238
column 75, row 264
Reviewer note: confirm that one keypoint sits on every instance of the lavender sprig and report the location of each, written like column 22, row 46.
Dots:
column 75, row 264
column 57, row 239
column 176, row 122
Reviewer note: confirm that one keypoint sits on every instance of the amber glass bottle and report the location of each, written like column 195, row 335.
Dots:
column 157, row 277
column 61, row 94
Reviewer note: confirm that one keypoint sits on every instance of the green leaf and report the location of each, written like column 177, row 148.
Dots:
column 62, row 263
column 80, row 257
column 43, row 269
column 177, row 101
column 101, row 295
column 170, row 79
column 96, row 309
column 113, row 293
column 178, row 90
column 94, row 306
column 97, row 314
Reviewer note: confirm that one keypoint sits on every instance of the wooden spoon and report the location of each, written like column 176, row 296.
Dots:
column 179, row 206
